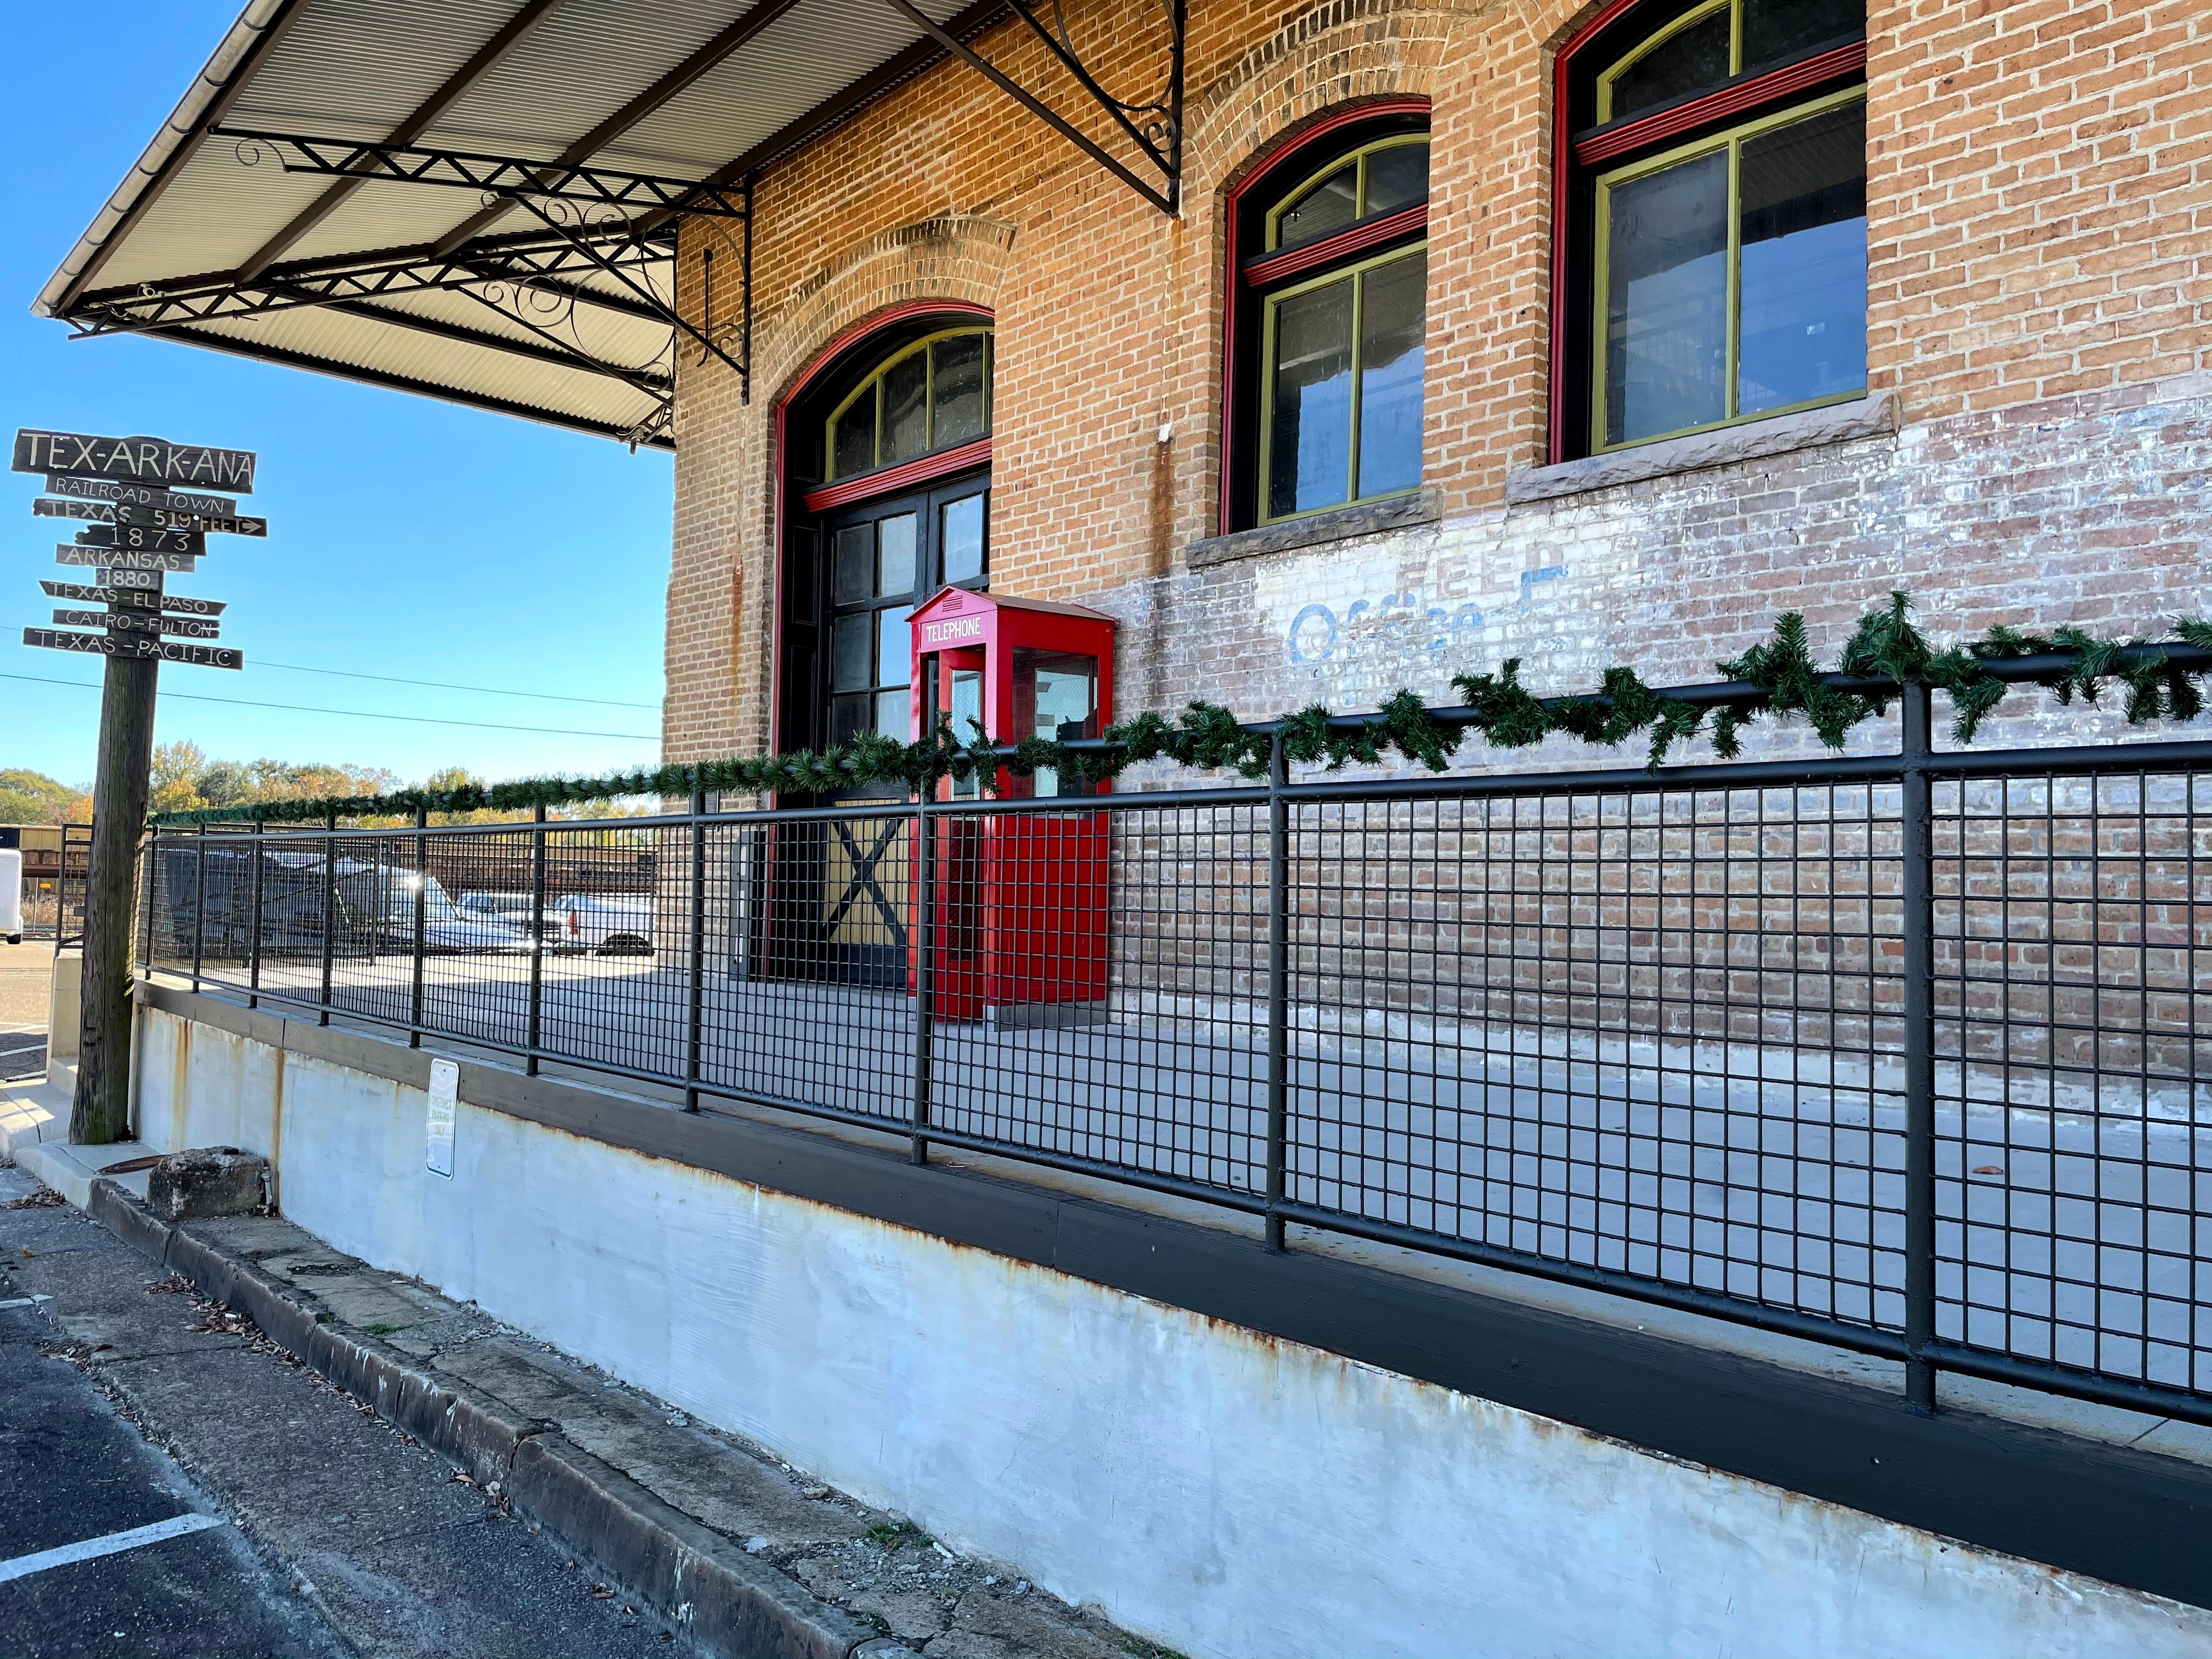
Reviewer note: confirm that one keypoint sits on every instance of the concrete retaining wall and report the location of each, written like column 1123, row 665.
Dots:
column 1230, row 1495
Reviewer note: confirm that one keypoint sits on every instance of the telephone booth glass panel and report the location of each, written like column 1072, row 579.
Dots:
column 1019, row 932
column 1055, row 697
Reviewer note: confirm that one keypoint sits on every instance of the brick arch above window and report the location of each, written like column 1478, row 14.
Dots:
column 1336, row 57
column 955, row 263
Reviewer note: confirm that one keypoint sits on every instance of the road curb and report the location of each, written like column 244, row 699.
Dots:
column 734, row 1606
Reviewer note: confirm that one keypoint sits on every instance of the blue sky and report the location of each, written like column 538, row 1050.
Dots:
column 409, row 538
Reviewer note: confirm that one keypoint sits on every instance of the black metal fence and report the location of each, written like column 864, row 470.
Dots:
column 54, row 895
column 1905, row 1054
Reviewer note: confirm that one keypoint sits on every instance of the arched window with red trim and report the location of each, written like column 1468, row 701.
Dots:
column 1712, row 258
column 1329, row 306
column 886, row 496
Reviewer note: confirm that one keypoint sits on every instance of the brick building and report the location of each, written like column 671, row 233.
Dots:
column 2026, row 440
column 1324, row 349
column 1899, row 294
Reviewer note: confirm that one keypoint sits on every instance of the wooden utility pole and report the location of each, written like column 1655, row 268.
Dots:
column 101, row 1113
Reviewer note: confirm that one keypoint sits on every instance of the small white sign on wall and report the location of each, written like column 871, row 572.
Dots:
column 445, row 1095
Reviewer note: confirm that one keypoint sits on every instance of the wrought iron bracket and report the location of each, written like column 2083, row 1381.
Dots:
column 539, row 259
column 637, row 377
column 502, row 175
column 571, row 225
column 1154, row 125
column 594, row 221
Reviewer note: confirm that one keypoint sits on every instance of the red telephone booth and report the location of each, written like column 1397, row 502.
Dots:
column 1021, row 897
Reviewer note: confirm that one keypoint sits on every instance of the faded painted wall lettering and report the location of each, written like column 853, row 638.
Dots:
column 1398, row 623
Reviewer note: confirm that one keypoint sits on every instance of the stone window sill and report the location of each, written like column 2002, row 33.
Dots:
column 1872, row 416
column 1368, row 518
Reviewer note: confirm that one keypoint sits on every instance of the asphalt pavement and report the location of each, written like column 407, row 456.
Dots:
column 239, row 1504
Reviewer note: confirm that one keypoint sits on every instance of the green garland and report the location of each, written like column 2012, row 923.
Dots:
column 1206, row 737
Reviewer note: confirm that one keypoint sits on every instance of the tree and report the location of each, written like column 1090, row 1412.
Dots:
column 186, row 780
column 28, row 797
column 177, row 769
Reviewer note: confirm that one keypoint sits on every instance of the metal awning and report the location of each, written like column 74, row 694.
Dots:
column 477, row 199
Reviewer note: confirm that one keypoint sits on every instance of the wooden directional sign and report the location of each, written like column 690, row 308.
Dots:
column 126, row 558
column 145, row 581
column 130, row 644
column 135, row 460
column 107, row 489
column 125, row 596
column 147, row 517
column 121, row 598
column 51, row 507
column 193, row 627
column 161, row 517
column 138, row 540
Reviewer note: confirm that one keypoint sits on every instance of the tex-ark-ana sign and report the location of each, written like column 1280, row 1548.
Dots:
column 135, row 460
column 144, row 518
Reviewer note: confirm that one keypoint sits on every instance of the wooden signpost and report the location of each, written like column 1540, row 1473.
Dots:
column 148, row 507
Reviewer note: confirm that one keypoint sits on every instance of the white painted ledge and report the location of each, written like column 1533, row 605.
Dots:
column 1874, row 416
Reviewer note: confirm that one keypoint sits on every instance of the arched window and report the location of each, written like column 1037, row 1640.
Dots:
column 887, row 499
column 932, row 395
column 1329, row 308
column 1713, row 193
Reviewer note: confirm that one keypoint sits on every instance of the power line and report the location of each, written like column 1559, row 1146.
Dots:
column 444, row 685
column 352, row 714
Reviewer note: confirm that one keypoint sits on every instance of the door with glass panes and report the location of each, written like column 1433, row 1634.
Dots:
column 884, row 558
column 844, row 881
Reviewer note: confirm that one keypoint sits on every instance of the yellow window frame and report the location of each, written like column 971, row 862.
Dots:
column 1732, row 142
column 1689, row 19
column 928, row 397
column 1355, row 272
column 1297, row 194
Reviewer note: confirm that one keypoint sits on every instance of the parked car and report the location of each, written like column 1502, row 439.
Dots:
column 606, row 924
column 387, row 893
column 372, row 907
column 513, row 908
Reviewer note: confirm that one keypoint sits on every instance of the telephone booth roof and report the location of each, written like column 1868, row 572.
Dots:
column 966, row 602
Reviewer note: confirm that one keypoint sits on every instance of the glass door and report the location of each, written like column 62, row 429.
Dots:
column 840, row 885
column 882, row 559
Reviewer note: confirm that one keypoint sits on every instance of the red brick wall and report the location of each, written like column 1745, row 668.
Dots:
column 2040, row 204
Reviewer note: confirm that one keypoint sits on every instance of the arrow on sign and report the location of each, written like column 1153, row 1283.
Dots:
column 160, row 518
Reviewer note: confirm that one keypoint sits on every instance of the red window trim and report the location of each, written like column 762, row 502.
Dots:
column 780, row 463
column 896, row 480
column 1565, row 154
column 1719, row 106
column 1406, row 221
column 1235, row 280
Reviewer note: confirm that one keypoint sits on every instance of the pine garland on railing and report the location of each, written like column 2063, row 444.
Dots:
column 1777, row 677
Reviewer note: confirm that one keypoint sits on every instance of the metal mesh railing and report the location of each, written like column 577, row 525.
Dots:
column 1901, row 1054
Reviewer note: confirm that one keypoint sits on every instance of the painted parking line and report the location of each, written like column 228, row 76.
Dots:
column 26, row 1300
column 113, row 1543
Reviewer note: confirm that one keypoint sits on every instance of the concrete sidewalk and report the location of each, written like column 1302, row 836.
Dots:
column 745, row 1555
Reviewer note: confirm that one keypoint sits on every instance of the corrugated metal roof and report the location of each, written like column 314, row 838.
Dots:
column 210, row 239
